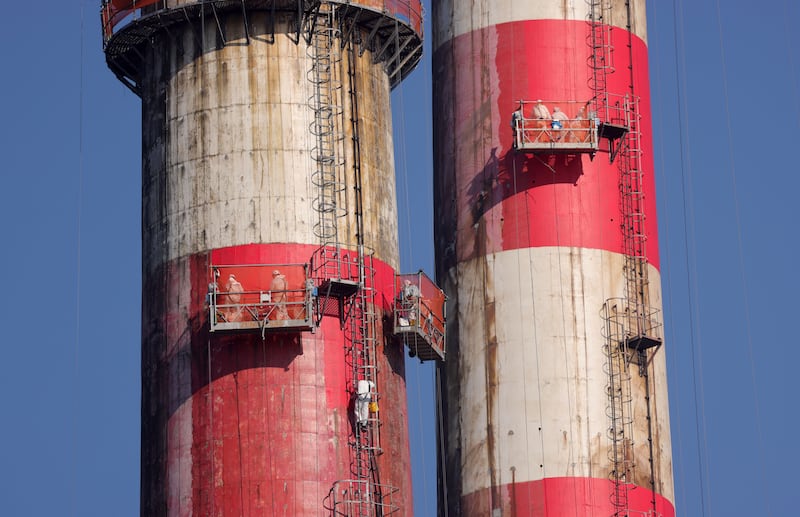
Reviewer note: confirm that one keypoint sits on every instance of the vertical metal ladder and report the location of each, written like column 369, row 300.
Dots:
column 368, row 491
column 363, row 495
column 620, row 398
column 600, row 54
column 642, row 321
column 626, row 316
column 620, row 407
column 633, row 222
column 324, row 52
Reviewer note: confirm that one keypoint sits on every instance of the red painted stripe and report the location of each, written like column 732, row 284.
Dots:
column 283, row 253
column 505, row 200
column 559, row 497
column 269, row 426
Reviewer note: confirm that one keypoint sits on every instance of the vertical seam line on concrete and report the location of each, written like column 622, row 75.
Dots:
column 522, row 343
column 558, row 249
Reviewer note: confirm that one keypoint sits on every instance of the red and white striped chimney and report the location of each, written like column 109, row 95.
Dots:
column 548, row 408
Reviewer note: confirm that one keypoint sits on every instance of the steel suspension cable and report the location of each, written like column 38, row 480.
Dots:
column 742, row 278
column 788, row 32
column 410, row 259
column 664, row 202
column 78, row 223
column 688, row 234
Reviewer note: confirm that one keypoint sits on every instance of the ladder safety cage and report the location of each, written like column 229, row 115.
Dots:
column 266, row 297
column 614, row 121
column 362, row 498
column 420, row 316
column 619, row 410
column 336, row 273
column 634, row 327
column 325, row 56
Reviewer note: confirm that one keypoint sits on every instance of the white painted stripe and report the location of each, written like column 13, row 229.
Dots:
column 550, row 402
column 235, row 165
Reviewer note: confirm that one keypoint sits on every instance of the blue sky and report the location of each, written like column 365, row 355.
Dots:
column 726, row 135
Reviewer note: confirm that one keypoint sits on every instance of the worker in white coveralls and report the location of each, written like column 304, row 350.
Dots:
column 559, row 122
column 579, row 133
column 409, row 300
column 278, row 295
column 559, row 117
column 542, row 122
column 540, row 111
column 363, row 398
column 234, row 291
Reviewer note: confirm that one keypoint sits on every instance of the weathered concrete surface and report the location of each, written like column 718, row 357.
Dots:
column 532, row 376
column 227, row 147
column 231, row 424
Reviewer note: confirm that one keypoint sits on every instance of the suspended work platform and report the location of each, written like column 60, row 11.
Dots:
column 266, row 297
column 419, row 316
column 570, row 127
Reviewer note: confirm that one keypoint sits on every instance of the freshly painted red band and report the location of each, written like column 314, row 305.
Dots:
column 269, row 428
column 282, row 253
column 505, row 200
column 557, row 497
